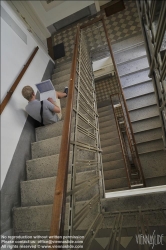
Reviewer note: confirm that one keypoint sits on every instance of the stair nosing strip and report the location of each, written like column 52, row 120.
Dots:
column 131, row 60
column 149, row 140
column 146, row 130
column 130, row 98
column 147, row 152
column 143, row 107
column 150, row 80
column 134, row 72
column 142, row 119
column 128, row 48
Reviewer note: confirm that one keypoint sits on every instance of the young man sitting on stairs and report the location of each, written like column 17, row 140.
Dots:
column 51, row 110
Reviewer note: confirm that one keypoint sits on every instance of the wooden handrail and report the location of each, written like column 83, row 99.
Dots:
column 124, row 100
column 122, row 146
column 59, row 204
column 12, row 89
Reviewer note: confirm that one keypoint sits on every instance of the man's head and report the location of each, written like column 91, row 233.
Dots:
column 28, row 92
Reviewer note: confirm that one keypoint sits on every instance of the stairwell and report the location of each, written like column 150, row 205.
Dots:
column 131, row 59
column 34, row 215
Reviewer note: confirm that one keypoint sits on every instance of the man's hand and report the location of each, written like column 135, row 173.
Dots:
column 50, row 100
column 56, row 108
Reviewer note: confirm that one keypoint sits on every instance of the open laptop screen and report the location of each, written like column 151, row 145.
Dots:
column 45, row 86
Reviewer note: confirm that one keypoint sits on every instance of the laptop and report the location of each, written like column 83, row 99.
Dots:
column 45, row 90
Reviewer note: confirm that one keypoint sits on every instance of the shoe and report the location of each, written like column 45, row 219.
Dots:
column 66, row 91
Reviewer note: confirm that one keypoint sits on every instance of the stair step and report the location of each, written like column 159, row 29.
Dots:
column 61, row 73
column 106, row 133
column 41, row 191
column 129, row 54
column 61, row 79
column 111, row 149
column 109, row 142
column 135, row 78
column 51, row 146
column 144, row 113
column 112, row 157
column 46, row 147
column 116, row 183
column 44, row 167
column 59, row 86
column 150, row 146
column 132, row 66
column 138, row 89
column 157, row 181
column 108, row 123
column 153, row 164
column 127, row 43
column 115, row 173
column 128, row 203
column 49, row 131
column 111, row 165
column 148, row 135
column 105, row 108
column 37, row 219
column 141, row 101
column 106, row 112
column 62, row 67
column 103, row 119
column 147, row 124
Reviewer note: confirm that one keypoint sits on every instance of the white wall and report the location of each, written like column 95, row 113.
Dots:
column 66, row 8
column 14, row 54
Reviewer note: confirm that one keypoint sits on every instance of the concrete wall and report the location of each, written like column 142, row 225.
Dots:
column 17, row 45
column 58, row 12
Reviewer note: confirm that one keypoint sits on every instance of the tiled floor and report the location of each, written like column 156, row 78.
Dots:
column 121, row 25
column 105, row 88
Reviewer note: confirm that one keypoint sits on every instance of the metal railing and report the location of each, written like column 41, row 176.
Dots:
column 15, row 84
column 132, row 164
column 81, row 114
column 152, row 15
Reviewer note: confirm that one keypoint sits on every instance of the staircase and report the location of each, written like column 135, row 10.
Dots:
column 37, row 192
column 113, row 163
column 133, row 68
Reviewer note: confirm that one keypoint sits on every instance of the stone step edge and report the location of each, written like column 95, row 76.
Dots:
column 136, row 71
column 157, row 139
column 131, row 60
column 146, row 106
column 140, row 131
column 138, row 83
column 128, row 48
column 146, row 118
column 133, row 97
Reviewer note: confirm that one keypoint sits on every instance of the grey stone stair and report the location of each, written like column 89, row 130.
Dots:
column 63, row 66
column 146, row 124
column 44, row 167
column 111, row 149
column 112, row 157
column 103, row 109
column 106, row 142
column 135, row 78
column 114, row 173
column 107, row 134
column 105, row 124
column 113, row 165
column 141, row 101
column 41, row 191
column 132, row 66
column 59, row 86
column 61, row 79
column 116, row 183
column 138, row 89
column 148, row 135
column 146, row 201
column 37, row 219
column 135, row 52
column 148, row 146
column 128, row 43
column 61, row 73
column 144, row 113
column 105, row 113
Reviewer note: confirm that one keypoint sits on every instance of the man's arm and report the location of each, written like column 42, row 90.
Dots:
column 56, row 108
